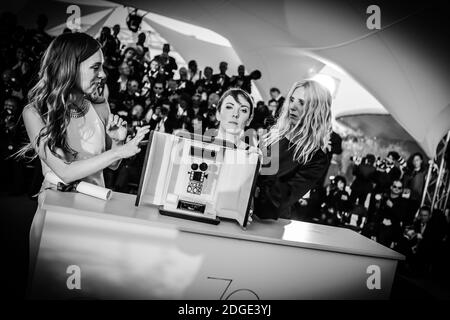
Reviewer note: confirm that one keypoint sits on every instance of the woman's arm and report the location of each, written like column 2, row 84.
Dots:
column 101, row 105
column 70, row 172
column 114, row 145
column 109, row 120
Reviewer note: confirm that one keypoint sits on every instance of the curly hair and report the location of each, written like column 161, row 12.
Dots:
column 313, row 129
column 51, row 96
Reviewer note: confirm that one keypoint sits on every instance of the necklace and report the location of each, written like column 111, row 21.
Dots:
column 78, row 112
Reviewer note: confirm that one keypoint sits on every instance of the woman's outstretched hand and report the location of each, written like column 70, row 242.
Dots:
column 116, row 128
column 131, row 148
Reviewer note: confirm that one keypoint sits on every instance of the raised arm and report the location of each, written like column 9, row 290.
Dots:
column 70, row 172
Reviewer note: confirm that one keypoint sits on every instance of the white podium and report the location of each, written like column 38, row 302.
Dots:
column 95, row 249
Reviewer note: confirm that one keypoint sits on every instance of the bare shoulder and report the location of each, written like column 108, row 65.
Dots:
column 32, row 120
column 30, row 112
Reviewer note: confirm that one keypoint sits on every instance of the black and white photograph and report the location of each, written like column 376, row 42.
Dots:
column 202, row 152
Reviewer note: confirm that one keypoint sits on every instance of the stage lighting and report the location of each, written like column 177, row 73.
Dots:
column 134, row 21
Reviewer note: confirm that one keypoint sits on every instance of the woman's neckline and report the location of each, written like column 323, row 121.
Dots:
column 81, row 111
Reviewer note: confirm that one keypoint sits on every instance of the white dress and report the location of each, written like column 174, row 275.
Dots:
column 86, row 135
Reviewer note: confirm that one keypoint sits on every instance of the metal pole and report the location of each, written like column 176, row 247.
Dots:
column 441, row 170
column 446, row 193
column 427, row 181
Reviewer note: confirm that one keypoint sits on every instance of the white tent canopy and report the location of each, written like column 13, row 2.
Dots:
column 93, row 23
column 187, row 41
column 404, row 65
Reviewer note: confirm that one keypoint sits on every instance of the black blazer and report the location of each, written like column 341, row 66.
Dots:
column 293, row 180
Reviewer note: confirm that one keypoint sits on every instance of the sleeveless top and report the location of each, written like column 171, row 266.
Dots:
column 86, row 135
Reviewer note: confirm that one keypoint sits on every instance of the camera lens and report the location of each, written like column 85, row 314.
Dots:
column 194, row 166
column 203, row 166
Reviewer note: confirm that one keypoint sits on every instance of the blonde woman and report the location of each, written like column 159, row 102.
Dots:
column 302, row 134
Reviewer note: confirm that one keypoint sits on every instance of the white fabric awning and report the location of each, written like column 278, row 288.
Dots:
column 404, row 65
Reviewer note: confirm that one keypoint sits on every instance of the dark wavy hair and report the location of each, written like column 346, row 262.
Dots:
column 51, row 96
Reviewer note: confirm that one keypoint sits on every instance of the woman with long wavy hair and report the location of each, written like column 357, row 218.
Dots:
column 69, row 124
column 301, row 135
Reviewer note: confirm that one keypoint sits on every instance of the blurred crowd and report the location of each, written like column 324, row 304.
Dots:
column 20, row 53
column 382, row 202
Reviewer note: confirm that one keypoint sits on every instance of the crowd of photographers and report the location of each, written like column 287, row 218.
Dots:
column 381, row 202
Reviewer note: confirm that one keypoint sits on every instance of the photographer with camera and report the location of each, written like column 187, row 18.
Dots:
column 221, row 80
column 128, row 99
column 395, row 165
column 156, row 95
column 167, row 62
column 336, row 201
column 164, row 119
column 243, row 81
column 206, row 86
column 184, row 85
column 336, row 195
column 151, row 76
column 364, row 172
column 387, row 213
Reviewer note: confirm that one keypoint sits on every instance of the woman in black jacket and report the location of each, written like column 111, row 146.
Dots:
column 297, row 145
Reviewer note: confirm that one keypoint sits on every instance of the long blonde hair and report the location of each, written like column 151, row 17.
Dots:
column 313, row 129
